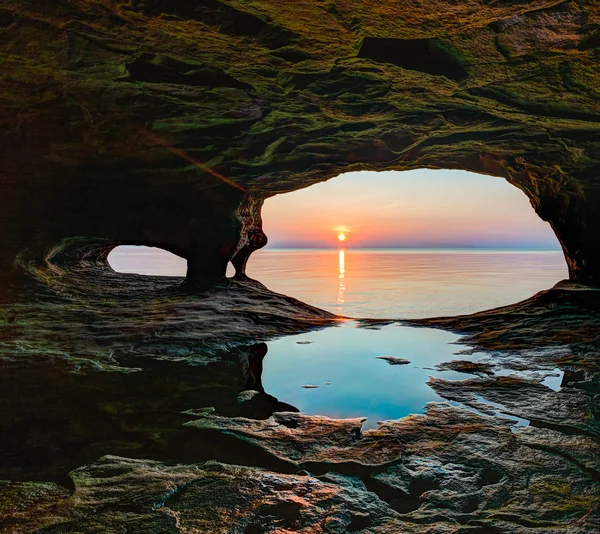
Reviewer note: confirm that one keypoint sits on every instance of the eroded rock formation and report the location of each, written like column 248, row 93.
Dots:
column 158, row 122
column 167, row 123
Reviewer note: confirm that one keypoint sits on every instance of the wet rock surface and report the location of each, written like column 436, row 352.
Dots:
column 195, row 443
column 465, row 366
column 135, row 404
column 563, row 316
column 569, row 410
column 113, row 315
column 145, row 496
column 165, row 386
column 450, row 470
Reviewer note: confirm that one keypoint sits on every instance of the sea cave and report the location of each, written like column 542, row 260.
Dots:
column 188, row 395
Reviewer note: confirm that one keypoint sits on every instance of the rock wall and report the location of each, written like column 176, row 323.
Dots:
column 167, row 123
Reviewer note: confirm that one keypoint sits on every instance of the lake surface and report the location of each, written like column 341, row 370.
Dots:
column 384, row 283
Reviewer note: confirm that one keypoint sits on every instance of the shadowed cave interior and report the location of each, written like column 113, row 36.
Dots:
column 135, row 403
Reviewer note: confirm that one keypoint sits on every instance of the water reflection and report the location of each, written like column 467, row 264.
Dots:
column 407, row 283
column 138, row 408
column 55, row 418
column 341, row 277
column 346, row 378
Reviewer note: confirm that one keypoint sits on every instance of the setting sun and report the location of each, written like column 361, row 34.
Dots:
column 342, row 237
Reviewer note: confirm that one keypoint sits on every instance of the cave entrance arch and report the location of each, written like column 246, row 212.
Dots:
column 416, row 243
column 144, row 260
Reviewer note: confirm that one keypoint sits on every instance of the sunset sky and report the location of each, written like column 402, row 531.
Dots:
column 422, row 208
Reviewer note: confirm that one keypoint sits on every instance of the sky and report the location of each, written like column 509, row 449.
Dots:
column 412, row 209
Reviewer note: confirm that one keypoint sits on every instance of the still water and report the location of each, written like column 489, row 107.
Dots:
column 337, row 371
column 407, row 283
column 410, row 283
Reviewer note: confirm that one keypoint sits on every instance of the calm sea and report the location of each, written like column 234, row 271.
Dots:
column 407, row 283
column 384, row 283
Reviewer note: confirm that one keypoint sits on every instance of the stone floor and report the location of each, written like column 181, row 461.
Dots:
column 130, row 405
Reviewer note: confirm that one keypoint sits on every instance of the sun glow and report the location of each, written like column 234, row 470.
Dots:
column 342, row 236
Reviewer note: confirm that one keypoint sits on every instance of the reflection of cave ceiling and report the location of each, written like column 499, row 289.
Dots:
column 142, row 98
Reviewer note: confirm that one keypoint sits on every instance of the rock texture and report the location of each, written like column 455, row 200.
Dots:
column 196, row 444
column 564, row 315
column 166, row 123
column 447, row 471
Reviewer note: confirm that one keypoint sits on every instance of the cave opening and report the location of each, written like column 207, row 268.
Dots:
column 144, row 260
column 411, row 244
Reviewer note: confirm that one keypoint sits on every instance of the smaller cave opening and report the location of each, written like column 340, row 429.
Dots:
column 144, row 260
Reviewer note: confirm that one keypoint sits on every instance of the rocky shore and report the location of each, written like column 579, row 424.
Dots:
column 150, row 416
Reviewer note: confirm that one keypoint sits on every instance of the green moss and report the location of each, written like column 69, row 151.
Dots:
column 452, row 54
column 502, row 48
column 562, row 498
column 331, row 7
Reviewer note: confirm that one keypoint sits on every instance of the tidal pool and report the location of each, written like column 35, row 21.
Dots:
column 352, row 380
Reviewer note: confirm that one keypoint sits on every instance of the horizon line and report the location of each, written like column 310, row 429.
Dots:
column 506, row 248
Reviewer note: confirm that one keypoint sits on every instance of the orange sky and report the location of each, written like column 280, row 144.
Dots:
column 423, row 208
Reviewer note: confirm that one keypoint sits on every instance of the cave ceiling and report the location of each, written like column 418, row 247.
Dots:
column 165, row 99
column 277, row 95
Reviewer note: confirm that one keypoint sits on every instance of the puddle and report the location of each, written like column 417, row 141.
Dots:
column 554, row 380
column 353, row 380
column 498, row 411
column 341, row 372
column 551, row 379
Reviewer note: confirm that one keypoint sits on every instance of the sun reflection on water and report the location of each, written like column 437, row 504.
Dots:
column 341, row 277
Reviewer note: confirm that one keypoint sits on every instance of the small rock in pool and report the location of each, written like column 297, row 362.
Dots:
column 310, row 386
column 465, row 366
column 303, row 342
column 392, row 360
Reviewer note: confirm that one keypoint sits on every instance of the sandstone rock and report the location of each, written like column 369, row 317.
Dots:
column 449, row 465
column 183, row 119
column 167, row 124
column 392, row 360
column 465, row 366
